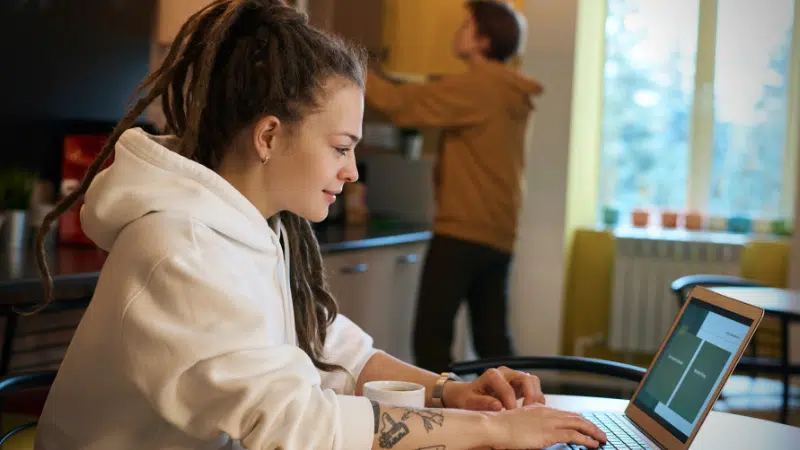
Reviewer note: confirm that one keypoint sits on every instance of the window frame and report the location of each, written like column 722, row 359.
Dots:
column 701, row 128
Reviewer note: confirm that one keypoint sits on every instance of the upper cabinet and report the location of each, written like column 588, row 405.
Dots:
column 173, row 13
column 418, row 35
column 171, row 16
column 358, row 21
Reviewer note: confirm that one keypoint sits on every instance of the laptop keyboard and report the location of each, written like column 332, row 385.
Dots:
column 618, row 429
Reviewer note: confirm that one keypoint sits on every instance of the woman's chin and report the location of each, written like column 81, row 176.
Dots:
column 316, row 216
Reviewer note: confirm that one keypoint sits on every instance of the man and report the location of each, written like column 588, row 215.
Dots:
column 483, row 114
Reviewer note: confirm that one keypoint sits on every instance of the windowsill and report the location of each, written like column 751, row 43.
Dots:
column 682, row 235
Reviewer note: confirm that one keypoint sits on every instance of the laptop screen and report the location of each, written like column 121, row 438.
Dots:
column 689, row 369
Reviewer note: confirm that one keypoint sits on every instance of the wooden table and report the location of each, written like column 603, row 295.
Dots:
column 719, row 431
column 783, row 304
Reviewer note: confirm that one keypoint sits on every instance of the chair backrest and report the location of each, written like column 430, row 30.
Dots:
column 598, row 377
column 17, row 383
column 683, row 285
column 766, row 262
column 568, row 363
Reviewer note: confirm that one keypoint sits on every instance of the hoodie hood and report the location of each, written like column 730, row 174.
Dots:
column 518, row 90
column 147, row 176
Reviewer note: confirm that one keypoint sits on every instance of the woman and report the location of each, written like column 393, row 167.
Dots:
column 211, row 326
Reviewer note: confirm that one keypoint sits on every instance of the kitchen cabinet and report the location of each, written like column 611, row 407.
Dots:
column 408, row 261
column 171, row 16
column 359, row 21
column 361, row 282
column 418, row 35
column 376, row 288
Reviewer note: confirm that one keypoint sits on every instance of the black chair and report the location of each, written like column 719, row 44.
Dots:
column 683, row 285
column 754, row 363
column 22, row 382
column 587, row 366
column 11, row 333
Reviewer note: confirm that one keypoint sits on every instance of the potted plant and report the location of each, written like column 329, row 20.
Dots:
column 16, row 188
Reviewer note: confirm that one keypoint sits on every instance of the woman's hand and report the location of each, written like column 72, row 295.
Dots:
column 538, row 426
column 494, row 390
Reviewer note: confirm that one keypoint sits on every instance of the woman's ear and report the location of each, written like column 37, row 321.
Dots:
column 264, row 135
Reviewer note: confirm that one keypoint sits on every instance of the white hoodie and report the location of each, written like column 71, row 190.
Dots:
column 189, row 341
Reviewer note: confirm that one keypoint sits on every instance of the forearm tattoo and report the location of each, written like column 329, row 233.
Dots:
column 376, row 411
column 393, row 424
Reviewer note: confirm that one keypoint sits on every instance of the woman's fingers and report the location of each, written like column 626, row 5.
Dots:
column 583, row 426
column 497, row 384
column 527, row 387
column 575, row 437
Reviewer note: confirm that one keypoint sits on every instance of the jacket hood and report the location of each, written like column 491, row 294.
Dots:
column 518, row 89
column 147, row 177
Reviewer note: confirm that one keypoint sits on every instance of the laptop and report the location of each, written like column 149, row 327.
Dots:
column 685, row 378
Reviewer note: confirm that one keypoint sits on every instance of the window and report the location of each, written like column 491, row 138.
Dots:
column 751, row 104
column 649, row 72
column 696, row 106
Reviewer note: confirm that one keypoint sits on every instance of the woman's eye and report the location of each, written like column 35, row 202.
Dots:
column 342, row 150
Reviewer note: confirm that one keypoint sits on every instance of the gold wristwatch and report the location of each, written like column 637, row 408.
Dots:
column 438, row 389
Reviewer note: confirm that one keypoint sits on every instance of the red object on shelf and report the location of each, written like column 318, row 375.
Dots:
column 669, row 219
column 694, row 221
column 640, row 218
column 79, row 152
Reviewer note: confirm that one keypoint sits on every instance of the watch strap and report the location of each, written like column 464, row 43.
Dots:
column 438, row 389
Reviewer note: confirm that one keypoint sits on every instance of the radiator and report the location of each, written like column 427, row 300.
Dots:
column 643, row 306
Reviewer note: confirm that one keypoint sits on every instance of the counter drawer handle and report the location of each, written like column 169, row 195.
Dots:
column 411, row 258
column 356, row 268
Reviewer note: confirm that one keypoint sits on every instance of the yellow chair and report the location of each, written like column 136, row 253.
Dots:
column 587, row 292
column 19, row 428
column 587, row 298
column 21, row 440
column 767, row 263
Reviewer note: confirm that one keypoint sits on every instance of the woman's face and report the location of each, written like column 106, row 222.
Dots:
column 310, row 162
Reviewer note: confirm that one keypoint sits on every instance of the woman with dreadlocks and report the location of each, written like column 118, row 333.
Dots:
column 212, row 326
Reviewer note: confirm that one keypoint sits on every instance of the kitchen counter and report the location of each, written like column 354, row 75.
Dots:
column 75, row 269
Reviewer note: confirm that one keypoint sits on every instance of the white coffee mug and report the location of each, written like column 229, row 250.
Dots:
column 397, row 393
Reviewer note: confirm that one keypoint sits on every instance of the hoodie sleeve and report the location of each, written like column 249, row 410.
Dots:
column 447, row 102
column 201, row 355
column 350, row 347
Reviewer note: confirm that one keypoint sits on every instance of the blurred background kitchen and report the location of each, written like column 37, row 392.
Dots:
column 665, row 145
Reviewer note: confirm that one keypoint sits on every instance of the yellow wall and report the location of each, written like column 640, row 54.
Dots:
column 587, row 111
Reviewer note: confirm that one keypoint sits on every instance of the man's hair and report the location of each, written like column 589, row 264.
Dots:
column 501, row 24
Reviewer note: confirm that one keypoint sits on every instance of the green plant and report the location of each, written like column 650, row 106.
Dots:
column 16, row 187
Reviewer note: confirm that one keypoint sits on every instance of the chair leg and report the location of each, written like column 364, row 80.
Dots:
column 784, row 415
column 754, row 354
